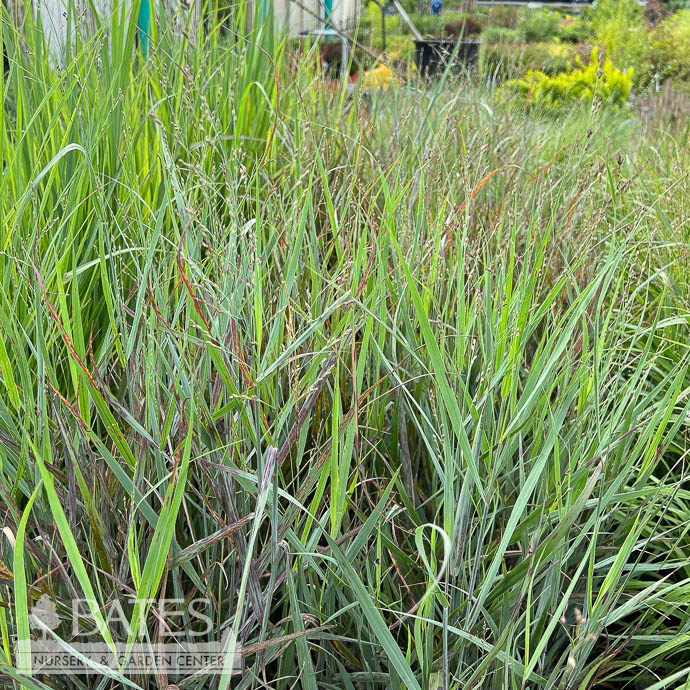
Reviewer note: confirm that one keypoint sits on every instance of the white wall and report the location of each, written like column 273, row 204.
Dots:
column 53, row 14
column 346, row 13
column 296, row 19
column 288, row 15
column 292, row 18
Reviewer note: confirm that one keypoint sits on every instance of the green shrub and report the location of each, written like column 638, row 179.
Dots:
column 436, row 25
column 394, row 26
column 399, row 48
column 499, row 34
column 509, row 60
column 538, row 25
column 670, row 48
column 574, row 31
column 427, row 24
column 620, row 29
column 365, row 29
column 589, row 84
column 506, row 17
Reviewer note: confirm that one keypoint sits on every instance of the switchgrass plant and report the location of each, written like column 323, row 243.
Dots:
column 399, row 384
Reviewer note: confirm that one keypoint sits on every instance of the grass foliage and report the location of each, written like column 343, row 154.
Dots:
column 400, row 383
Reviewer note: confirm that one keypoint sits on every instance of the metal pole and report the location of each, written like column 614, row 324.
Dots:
column 407, row 20
column 339, row 32
column 344, row 59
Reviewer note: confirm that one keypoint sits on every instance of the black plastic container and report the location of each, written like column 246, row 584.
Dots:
column 432, row 55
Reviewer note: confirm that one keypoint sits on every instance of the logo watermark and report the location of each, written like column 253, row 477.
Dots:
column 68, row 640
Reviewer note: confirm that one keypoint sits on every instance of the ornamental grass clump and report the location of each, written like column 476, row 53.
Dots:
column 391, row 388
column 590, row 85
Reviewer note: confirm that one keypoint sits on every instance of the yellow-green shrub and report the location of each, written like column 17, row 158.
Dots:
column 593, row 83
column 620, row 30
column 671, row 47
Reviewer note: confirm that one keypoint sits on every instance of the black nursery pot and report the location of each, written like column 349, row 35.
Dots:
column 432, row 55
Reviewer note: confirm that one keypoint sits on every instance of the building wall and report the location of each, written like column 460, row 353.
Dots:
column 346, row 13
column 297, row 18
column 294, row 18
column 53, row 16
